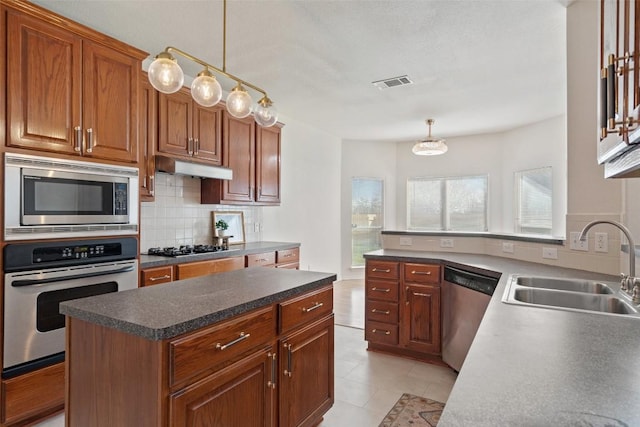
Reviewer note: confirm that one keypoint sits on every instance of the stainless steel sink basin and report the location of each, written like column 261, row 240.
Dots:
column 579, row 301
column 587, row 296
column 573, row 285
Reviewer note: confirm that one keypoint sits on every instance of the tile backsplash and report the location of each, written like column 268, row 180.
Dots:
column 176, row 217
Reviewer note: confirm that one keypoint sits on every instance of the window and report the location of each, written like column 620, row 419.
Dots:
column 534, row 190
column 447, row 203
column 366, row 217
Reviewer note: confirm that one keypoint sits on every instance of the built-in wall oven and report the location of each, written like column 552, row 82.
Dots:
column 58, row 198
column 39, row 276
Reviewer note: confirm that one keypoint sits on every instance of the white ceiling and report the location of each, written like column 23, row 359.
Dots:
column 477, row 65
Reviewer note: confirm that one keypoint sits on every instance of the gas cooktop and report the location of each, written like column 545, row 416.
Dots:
column 185, row 250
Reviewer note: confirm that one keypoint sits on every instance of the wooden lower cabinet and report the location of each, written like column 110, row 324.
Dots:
column 156, row 275
column 238, row 395
column 420, row 325
column 402, row 308
column 33, row 395
column 306, row 380
column 202, row 268
column 271, row 367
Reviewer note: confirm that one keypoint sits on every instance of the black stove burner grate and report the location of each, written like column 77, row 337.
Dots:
column 184, row 250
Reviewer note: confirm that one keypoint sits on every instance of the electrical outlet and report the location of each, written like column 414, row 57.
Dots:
column 602, row 242
column 446, row 243
column 550, row 253
column 576, row 244
column 256, row 227
column 507, row 247
column 406, row 241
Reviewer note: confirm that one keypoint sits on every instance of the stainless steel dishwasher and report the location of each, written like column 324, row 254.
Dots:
column 465, row 296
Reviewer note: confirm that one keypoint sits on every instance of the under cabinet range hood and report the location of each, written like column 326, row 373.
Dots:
column 181, row 167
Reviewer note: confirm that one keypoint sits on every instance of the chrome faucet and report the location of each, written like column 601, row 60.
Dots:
column 630, row 283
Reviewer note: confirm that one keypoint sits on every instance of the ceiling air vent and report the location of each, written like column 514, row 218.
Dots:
column 392, row 82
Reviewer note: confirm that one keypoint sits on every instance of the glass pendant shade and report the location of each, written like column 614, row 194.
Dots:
column 206, row 90
column 165, row 74
column 430, row 146
column 239, row 102
column 265, row 113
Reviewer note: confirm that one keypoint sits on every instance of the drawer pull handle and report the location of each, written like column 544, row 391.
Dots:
column 420, row 294
column 375, row 310
column 376, row 331
column 388, row 270
column 313, row 307
column 89, row 140
column 381, row 289
column 424, row 273
column 242, row 337
column 78, row 144
column 153, row 279
column 287, row 256
column 287, row 371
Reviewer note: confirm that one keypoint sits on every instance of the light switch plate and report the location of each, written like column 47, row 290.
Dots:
column 446, row 243
column 550, row 253
column 576, row 244
column 406, row 241
column 507, row 247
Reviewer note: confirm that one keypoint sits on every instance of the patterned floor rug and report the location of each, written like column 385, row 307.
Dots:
column 413, row 411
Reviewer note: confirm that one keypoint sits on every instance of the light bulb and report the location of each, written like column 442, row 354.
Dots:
column 165, row 74
column 205, row 89
column 265, row 114
column 239, row 102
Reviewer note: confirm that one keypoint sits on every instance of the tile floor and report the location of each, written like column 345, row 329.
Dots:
column 367, row 384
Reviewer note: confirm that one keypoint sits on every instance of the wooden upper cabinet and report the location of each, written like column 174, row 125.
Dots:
column 69, row 94
column 253, row 153
column 188, row 130
column 268, row 164
column 239, row 155
column 44, row 85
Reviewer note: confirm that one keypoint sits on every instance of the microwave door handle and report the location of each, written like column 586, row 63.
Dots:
column 31, row 282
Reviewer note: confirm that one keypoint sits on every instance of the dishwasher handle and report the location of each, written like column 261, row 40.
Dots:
column 468, row 279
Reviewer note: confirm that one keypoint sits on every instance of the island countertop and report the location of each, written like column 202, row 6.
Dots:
column 164, row 311
column 531, row 366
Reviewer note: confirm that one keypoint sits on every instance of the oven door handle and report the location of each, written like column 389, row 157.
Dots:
column 31, row 282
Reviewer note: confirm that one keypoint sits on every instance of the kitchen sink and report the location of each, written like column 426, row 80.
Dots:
column 573, row 285
column 588, row 296
column 579, row 301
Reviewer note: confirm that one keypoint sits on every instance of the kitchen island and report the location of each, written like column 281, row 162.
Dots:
column 236, row 348
column 531, row 366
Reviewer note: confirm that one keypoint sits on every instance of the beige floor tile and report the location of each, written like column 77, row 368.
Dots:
column 346, row 415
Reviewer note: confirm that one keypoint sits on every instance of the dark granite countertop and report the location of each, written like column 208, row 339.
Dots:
column 148, row 261
column 531, row 366
column 164, row 311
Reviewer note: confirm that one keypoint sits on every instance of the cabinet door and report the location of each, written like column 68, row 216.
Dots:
column 238, row 139
column 420, row 318
column 207, row 133
column 175, row 123
column 240, row 395
column 147, row 136
column 268, row 165
column 306, row 367
column 44, row 85
column 110, row 104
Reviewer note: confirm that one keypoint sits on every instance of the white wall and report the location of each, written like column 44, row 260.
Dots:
column 309, row 212
column 370, row 160
column 534, row 146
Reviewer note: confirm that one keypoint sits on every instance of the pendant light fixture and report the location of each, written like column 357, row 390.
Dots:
column 430, row 146
column 167, row 77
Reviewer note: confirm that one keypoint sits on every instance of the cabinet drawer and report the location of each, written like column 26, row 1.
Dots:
column 306, row 308
column 221, row 344
column 382, row 290
column 156, row 275
column 381, row 333
column 288, row 256
column 292, row 266
column 422, row 273
column 265, row 259
column 381, row 311
column 382, row 269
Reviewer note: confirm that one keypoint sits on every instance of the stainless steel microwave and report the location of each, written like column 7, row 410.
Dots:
column 54, row 198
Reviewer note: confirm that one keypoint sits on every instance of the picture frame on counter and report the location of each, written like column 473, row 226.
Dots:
column 235, row 220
